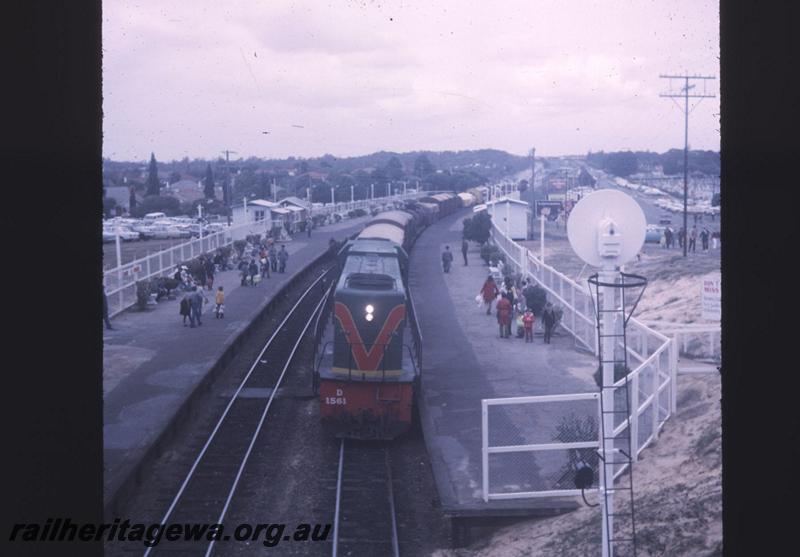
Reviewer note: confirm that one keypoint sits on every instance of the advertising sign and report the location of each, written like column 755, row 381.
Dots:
column 554, row 207
column 712, row 297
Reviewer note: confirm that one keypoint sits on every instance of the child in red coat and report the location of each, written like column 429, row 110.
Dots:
column 527, row 320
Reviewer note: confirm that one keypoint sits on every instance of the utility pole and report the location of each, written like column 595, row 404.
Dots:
column 686, row 96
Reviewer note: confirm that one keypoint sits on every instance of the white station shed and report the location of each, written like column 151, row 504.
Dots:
column 511, row 216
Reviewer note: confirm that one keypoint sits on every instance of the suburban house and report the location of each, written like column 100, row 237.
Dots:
column 188, row 191
column 122, row 196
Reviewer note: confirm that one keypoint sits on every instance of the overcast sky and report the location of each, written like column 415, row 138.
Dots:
column 195, row 77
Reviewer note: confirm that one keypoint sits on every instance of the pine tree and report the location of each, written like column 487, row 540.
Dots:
column 209, row 183
column 132, row 199
column 153, row 185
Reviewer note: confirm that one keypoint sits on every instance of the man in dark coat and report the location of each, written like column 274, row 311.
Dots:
column 283, row 256
column 464, row 248
column 196, row 299
column 549, row 320
column 253, row 271
column 447, row 259
column 273, row 258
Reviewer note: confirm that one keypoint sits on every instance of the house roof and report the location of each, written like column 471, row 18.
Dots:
column 295, row 209
column 295, row 201
column 262, row 203
column 280, row 211
column 508, row 200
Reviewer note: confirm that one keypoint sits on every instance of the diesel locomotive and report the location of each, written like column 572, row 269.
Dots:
column 369, row 363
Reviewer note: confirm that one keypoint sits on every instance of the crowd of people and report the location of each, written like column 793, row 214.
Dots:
column 669, row 237
column 516, row 304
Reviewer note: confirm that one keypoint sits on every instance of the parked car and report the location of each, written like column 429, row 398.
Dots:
column 128, row 235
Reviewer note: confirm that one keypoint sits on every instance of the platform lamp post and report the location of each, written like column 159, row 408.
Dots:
column 333, row 198
column 352, row 195
column 119, row 262
column 545, row 211
column 372, row 192
column 200, row 222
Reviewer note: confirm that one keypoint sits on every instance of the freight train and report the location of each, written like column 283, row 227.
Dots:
column 369, row 360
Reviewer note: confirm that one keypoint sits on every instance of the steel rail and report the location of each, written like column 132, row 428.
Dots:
column 338, row 501
column 390, row 497
column 246, row 457
column 233, row 399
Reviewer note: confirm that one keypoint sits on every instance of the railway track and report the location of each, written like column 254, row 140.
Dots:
column 365, row 520
column 210, row 485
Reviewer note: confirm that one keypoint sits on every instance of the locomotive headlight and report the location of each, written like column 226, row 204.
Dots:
column 369, row 308
column 368, row 317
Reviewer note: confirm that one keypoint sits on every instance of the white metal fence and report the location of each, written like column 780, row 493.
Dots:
column 652, row 356
column 120, row 282
column 520, row 461
column 694, row 341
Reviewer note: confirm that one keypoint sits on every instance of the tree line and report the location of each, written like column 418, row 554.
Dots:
column 625, row 163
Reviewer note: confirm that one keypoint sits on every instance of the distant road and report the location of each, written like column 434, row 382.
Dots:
column 653, row 212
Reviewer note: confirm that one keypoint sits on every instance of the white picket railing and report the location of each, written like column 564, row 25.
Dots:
column 653, row 356
column 120, row 282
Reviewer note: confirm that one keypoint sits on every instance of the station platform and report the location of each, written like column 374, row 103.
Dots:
column 152, row 364
column 465, row 360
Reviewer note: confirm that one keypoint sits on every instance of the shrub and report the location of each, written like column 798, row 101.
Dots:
column 620, row 371
column 572, row 429
column 488, row 251
column 535, row 298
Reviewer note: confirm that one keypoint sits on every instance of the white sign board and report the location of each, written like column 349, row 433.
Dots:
column 712, row 297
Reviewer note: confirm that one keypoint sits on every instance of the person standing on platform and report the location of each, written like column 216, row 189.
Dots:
column 283, row 256
column 186, row 308
column 489, row 291
column 273, row 258
column 549, row 320
column 693, row 238
column 197, row 300
column 527, row 322
column 504, row 316
column 253, row 271
column 209, row 273
column 264, row 265
column 219, row 299
column 106, row 320
column 447, row 259
column 669, row 236
column 309, row 222
column 464, row 248
column 704, row 234
column 681, row 237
